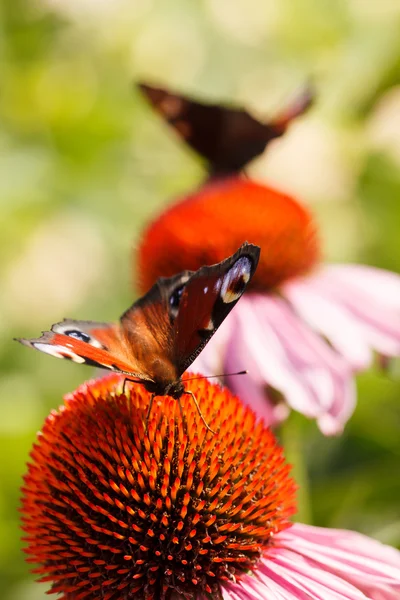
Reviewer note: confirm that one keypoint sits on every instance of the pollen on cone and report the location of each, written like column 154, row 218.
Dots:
column 212, row 223
column 117, row 508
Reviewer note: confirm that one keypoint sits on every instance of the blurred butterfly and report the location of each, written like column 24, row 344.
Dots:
column 228, row 138
column 162, row 333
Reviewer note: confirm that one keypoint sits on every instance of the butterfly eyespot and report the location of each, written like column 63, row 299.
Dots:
column 78, row 335
column 75, row 331
column 175, row 298
column 236, row 280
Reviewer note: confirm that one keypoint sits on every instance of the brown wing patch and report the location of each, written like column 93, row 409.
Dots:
column 207, row 299
column 227, row 137
column 148, row 329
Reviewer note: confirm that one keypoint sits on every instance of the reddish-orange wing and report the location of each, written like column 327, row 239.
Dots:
column 162, row 333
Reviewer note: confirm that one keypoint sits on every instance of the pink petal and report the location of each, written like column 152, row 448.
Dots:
column 256, row 342
column 383, row 287
column 315, row 581
column 210, row 363
column 312, row 563
column 252, row 387
column 347, row 305
column 264, row 585
column 283, row 575
column 326, row 372
column 249, row 386
column 276, row 339
column 328, row 318
column 210, row 360
column 369, row 565
column 373, row 316
column 379, row 319
column 279, row 351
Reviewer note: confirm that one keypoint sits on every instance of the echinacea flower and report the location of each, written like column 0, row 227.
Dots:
column 303, row 328
column 119, row 506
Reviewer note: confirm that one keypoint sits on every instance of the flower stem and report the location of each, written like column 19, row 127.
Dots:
column 291, row 433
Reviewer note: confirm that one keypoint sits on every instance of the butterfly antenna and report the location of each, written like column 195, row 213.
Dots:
column 221, row 375
column 199, row 410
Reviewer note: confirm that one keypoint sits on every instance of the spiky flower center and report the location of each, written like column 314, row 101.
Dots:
column 210, row 225
column 118, row 509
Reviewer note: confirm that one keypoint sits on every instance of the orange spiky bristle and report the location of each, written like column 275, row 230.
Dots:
column 118, row 510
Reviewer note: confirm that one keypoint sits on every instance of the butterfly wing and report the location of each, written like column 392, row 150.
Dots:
column 88, row 342
column 228, row 138
column 161, row 334
column 207, row 298
column 172, row 323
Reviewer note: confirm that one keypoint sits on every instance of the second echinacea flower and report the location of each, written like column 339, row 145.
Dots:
column 303, row 328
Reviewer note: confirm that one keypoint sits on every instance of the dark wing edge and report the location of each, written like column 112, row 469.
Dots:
column 57, row 328
column 159, row 292
column 219, row 309
column 246, row 249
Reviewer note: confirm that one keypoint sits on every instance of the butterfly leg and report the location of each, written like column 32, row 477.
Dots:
column 183, row 418
column 149, row 409
column 199, row 410
column 131, row 380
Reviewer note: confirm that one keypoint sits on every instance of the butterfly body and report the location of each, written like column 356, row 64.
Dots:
column 161, row 334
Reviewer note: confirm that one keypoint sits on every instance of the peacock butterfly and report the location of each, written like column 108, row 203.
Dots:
column 228, row 138
column 162, row 333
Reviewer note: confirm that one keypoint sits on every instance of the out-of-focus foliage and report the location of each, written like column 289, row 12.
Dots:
column 84, row 162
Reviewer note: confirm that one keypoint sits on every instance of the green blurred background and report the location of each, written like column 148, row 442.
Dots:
column 84, row 163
